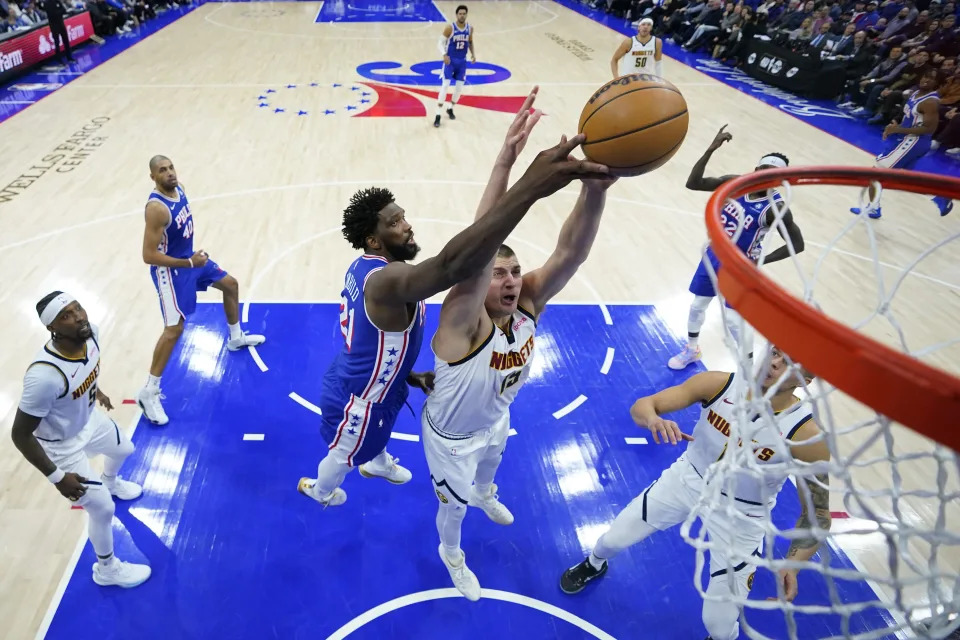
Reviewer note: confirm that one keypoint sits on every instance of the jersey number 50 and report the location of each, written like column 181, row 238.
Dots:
column 346, row 321
column 641, row 61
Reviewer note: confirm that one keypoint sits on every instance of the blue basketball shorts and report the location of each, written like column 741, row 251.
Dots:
column 355, row 430
column 177, row 288
column 903, row 153
column 456, row 70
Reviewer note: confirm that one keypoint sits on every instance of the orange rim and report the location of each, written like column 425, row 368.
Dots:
column 893, row 383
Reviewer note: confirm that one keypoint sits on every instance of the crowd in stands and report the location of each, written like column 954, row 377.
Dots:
column 109, row 17
column 885, row 47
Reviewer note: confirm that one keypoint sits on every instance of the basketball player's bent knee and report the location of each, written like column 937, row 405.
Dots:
column 721, row 620
column 228, row 285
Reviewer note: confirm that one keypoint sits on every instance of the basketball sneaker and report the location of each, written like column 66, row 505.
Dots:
column 122, row 489
column 450, row 114
column 944, row 204
column 120, row 574
column 684, row 358
column 392, row 473
column 491, row 505
column 576, row 578
column 463, row 579
column 245, row 340
column 436, row 121
column 334, row 499
column 149, row 401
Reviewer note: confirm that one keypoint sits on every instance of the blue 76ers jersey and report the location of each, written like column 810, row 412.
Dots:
column 754, row 222
column 177, row 239
column 373, row 365
column 459, row 42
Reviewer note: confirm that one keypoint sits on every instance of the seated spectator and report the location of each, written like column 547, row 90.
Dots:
column 712, row 21
column 945, row 43
column 735, row 46
column 896, row 24
column 820, row 18
column 822, row 38
column 918, row 41
column 866, row 91
column 804, row 33
column 891, row 98
column 869, row 18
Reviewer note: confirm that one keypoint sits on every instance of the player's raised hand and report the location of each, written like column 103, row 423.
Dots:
column 519, row 131
column 72, row 486
column 721, row 137
column 555, row 168
column 788, row 578
column 668, row 431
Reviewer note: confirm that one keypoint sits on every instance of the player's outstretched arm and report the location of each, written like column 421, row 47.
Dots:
column 791, row 233
column 813, row 450
column 471, row 250
column 695, row 180
column 573, row 246
column 646, row 411
column 615, row 60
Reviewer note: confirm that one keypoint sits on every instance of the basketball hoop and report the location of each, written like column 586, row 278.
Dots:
column 893, row 383
column 900, row 492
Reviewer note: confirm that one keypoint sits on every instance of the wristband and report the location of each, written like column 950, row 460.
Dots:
column 56, row 476
column 190, row 260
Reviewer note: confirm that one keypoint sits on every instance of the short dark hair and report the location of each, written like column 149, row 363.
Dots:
column 45, row 300
column 461, row 6
column 505, row 252
column 155, row 160
column 361, row 216
column 775, row 154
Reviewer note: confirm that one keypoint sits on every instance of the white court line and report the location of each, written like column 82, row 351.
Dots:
column 512, row 432
column 409, row 437
column 487, row 594
column 570, row 407
column 251, row 85
column 636, row 440
column 607, row 361
column 316, row 18
column 296, row 397
column 256, row 357
column 17, row 101
column 253, row 436
column 74, row 559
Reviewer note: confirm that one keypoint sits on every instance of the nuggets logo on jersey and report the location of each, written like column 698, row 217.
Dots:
column 511, row 359
column 90, row 381
column 640, row 57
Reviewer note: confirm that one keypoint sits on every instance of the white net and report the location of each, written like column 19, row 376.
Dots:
column 888, row 560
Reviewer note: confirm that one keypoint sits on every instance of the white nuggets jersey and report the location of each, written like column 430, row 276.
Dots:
column 712, row 437
column 475, row 392
column 76, row 382
column 640, row 57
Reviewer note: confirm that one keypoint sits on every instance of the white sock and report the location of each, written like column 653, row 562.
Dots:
column 106, row 562
column 456, row 92
column 153, row 383
column 442, row 96
column 449, row 520
column 595, row 562
column 235, row 332
column 330, row 475
column 382, row 461
column 692, row 342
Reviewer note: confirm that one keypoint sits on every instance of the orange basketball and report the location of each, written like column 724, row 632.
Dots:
column 634, row 124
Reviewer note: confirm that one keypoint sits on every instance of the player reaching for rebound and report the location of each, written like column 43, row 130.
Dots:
column 484, row 346
column 759, row 212
column 910, row 140
column 58, row 425
column 670, row 499
column 457, row 38
column 643, row 53
column 178, row 272
column 382, row 308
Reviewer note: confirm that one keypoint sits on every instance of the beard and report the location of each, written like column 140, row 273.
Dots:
column 403, row 251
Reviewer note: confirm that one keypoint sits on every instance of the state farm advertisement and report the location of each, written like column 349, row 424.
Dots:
column 23, row 51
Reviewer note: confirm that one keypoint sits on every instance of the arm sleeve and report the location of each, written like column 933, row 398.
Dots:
column 43, row 384
column 442, row 45
column 658, row 67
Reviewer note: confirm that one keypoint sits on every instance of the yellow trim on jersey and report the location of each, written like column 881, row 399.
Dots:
column 66, row 384
column 57, row 354
column 476, row 350
column 720, row 391
column 527, row 313
column 796, row 427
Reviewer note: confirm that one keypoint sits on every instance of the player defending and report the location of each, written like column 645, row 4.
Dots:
column 760, row 214
column 484, row 346
column 178, row 272
column 58, row 425
column 382, row 309
column 670, row 499
column 910, row 140
column 643, row 53
column 456, row 39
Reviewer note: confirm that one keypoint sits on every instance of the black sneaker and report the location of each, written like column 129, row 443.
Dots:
column 576, row 578
column 436, row 121
column 450, row 113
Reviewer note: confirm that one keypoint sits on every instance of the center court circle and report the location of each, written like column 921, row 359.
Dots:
column 487, row 594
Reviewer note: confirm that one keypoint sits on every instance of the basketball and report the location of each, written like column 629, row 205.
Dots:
column 634, row 124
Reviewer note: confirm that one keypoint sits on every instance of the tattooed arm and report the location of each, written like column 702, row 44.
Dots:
column 804, row 548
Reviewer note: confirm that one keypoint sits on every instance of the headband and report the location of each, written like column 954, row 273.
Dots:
column 646, row 21
column 54, row 307
column 772, row 161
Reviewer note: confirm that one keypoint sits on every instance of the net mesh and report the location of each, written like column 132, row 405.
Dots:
column 888, row 564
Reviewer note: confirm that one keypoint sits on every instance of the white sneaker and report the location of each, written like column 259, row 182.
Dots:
column 953, row 152
column 149, row 401
column 394, row 473
column 491, row 505
column 463, row 579
column 122, row 489
column 685, row 357
column 120, row 574
column 334, row 499
column 245, row 340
